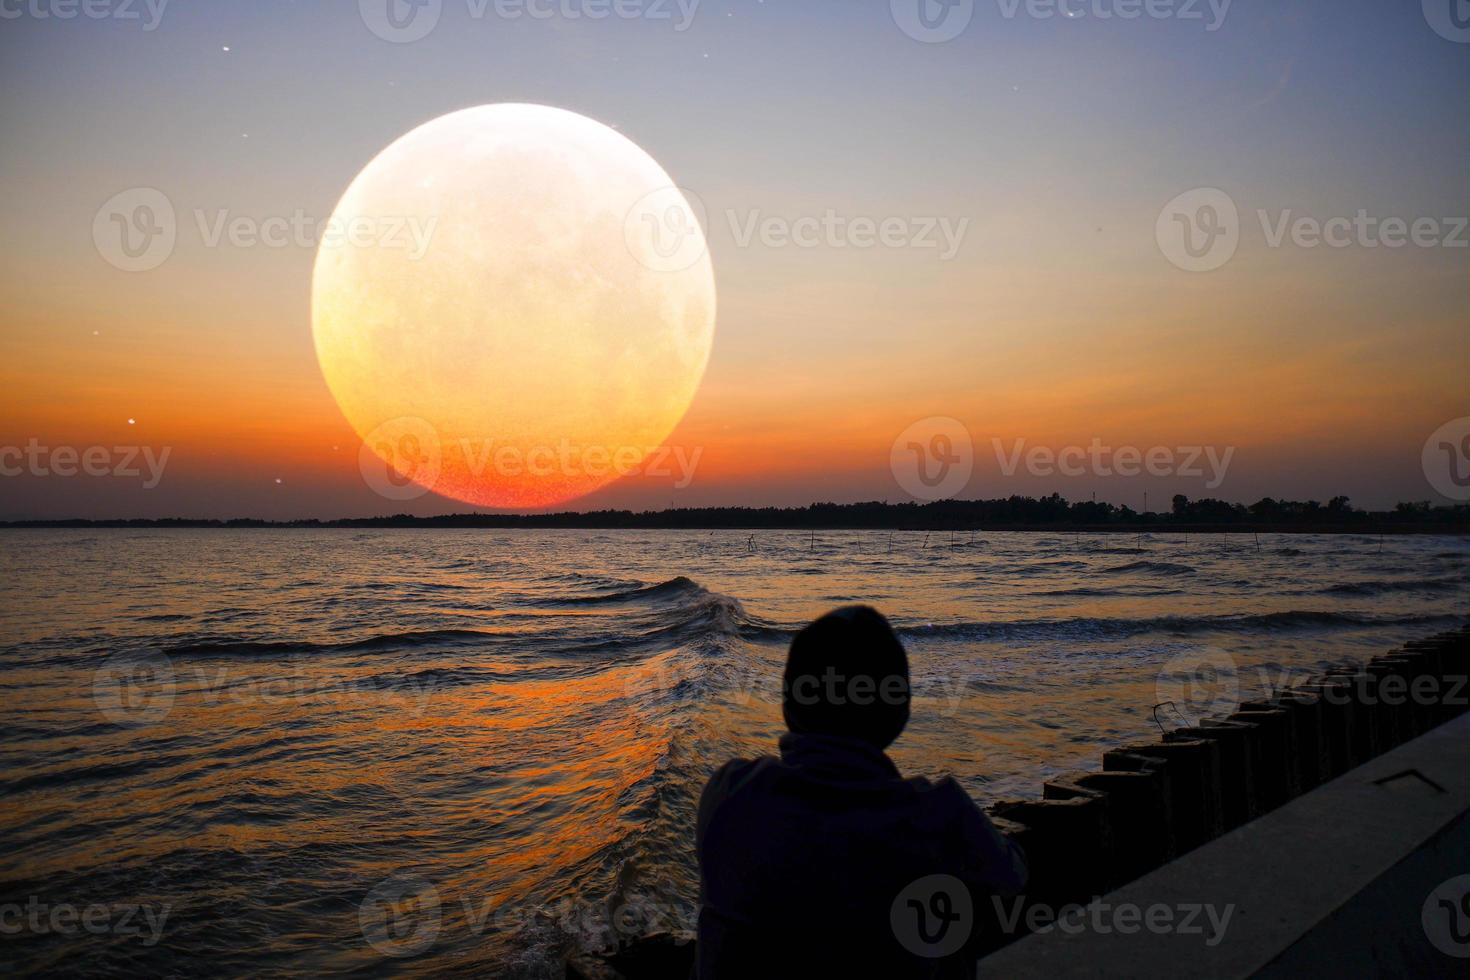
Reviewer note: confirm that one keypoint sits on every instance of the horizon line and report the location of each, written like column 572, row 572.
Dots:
column 1015, row 512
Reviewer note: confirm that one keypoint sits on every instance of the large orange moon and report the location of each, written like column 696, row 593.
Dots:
column 512, row 305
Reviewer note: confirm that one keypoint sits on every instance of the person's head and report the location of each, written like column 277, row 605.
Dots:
column 847, row 674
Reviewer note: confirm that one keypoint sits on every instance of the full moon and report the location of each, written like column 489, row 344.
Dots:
column 513, row 305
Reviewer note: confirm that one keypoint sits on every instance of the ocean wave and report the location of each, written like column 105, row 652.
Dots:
column 676, row 612
column 580, row 578
column 1042, row 567
column 1105, row 593
column 674, row 588
column 1448, row 583
column 1081, row 591
column 410, row 639
column 681, row 607
column 1092, row 628
column 1159, row 567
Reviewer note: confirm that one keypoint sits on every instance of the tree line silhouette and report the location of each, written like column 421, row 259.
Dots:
column 1015, row 512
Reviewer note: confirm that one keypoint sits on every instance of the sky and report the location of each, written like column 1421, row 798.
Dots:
column 1035, row 298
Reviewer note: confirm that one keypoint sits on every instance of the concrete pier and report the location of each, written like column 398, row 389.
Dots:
column 1260, row 757
column 1339, row 882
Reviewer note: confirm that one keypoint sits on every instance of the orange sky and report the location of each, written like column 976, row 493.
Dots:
column 1057, row 320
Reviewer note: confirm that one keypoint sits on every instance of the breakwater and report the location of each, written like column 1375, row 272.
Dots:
column 1152, row 802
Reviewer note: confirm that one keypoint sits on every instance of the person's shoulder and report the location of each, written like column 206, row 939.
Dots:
column 944, row 792
column 737, row 773
column 724, row 788
column 943, row 786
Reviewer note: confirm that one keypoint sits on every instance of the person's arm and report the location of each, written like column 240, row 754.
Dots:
column 997, row 862
column 714, row 792
column 726, row 779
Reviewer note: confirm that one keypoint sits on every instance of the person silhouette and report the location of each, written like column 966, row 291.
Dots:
column 808, row 861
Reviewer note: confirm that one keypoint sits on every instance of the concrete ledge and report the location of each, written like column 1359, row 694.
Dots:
column 1331, row 883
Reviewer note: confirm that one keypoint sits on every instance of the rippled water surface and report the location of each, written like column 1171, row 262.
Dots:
column 257, row 729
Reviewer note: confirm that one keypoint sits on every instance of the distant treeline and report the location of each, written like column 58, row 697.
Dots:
column 1016, row 513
